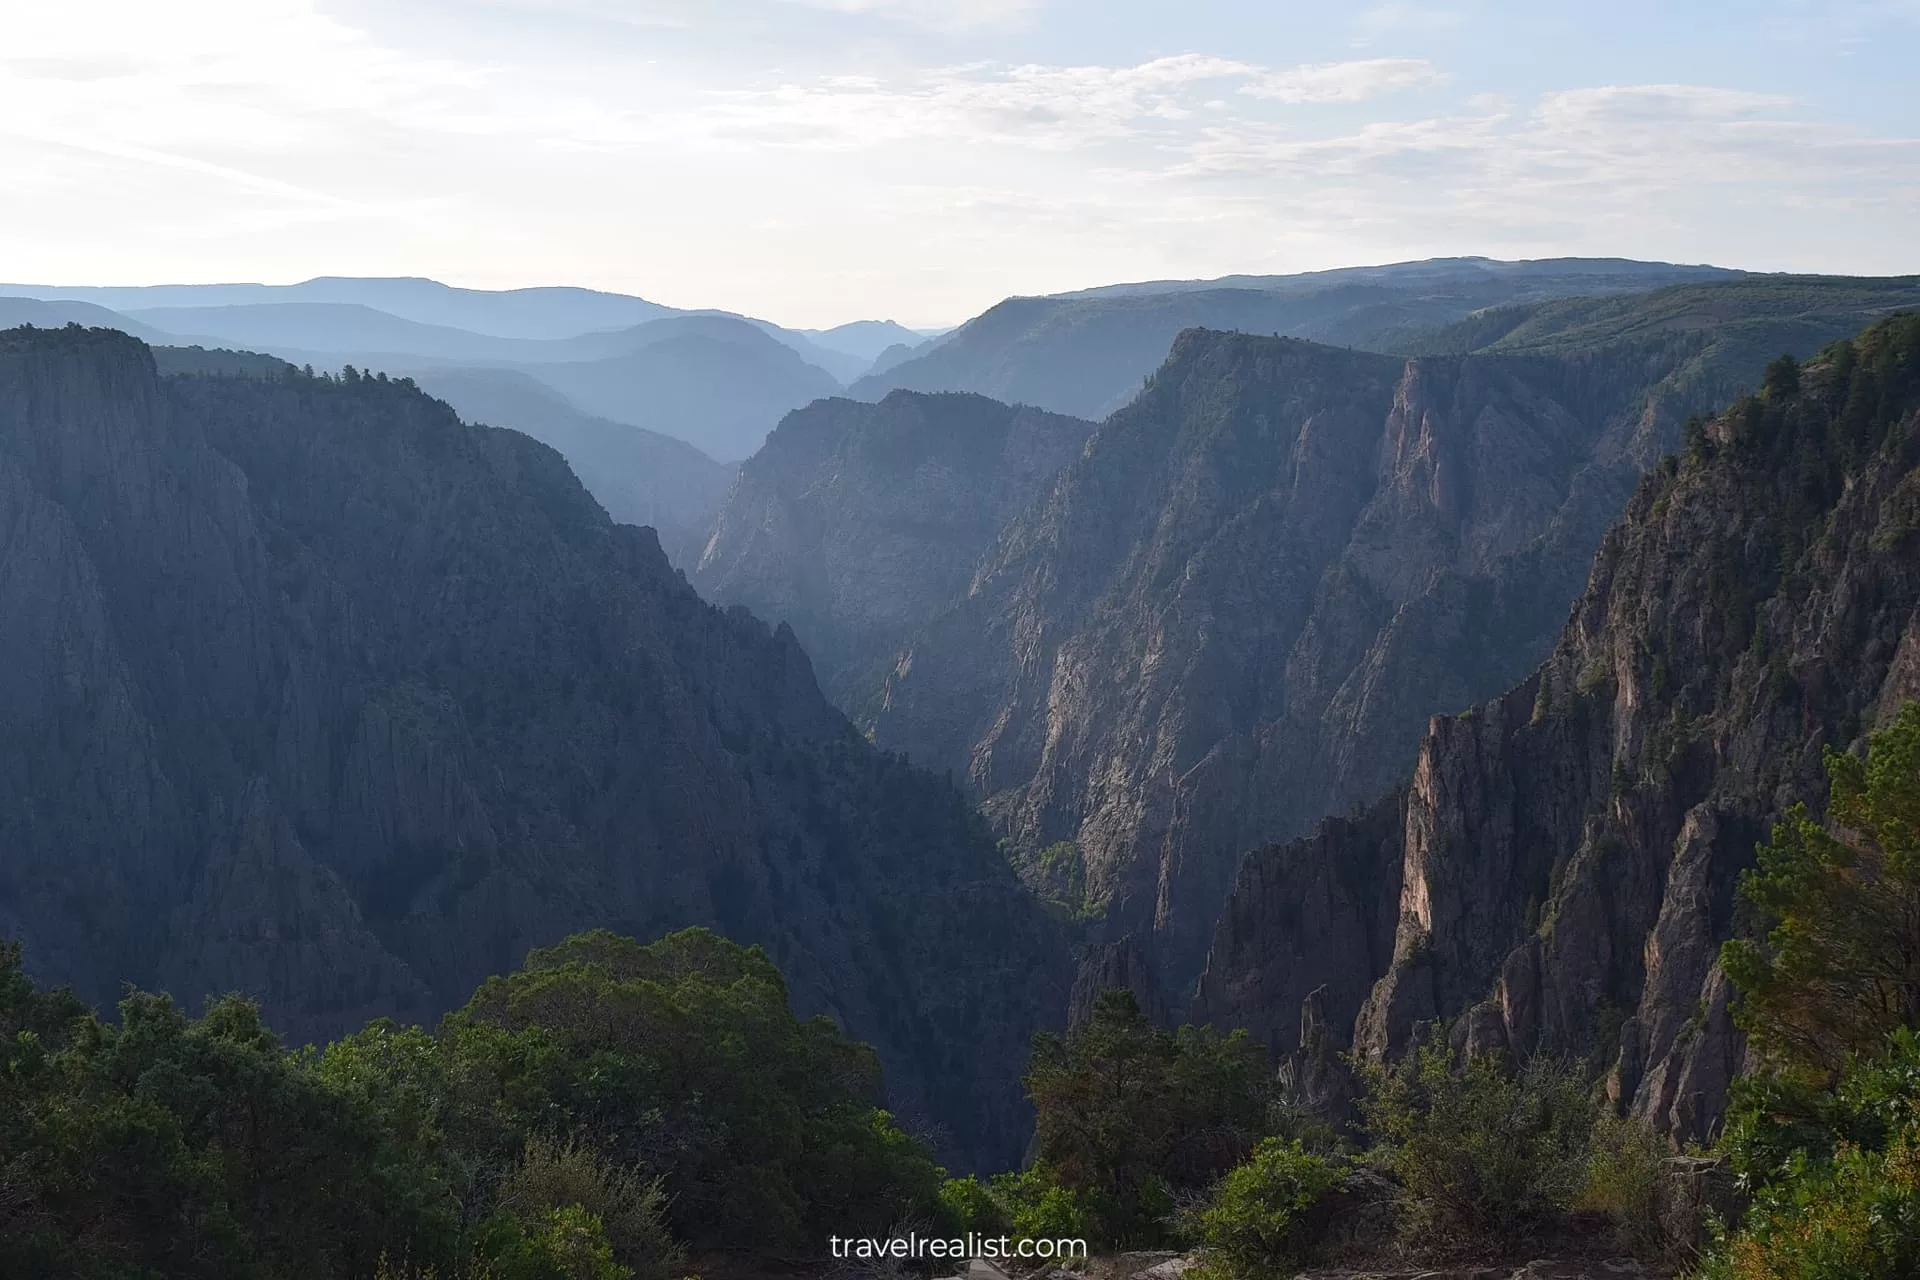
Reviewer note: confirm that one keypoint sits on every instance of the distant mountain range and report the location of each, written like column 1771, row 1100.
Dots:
column 1087, row 353
column 508, row 313
column 720, row 398
column 720, row 382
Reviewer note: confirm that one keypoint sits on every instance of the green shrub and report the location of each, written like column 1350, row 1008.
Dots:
column 1255, row 1223
column 1626, row 1181
column 164, row 1144
column 968, row 1205
column 1834, row 1173
column 1485, row 1155
column 1855, row 1216
column 1827, row 1139
column 683, row 1057
column 1128, row 1114
column 560, row 1244
column 1838, row 966
column 631, row 1208
column 1035, row 1203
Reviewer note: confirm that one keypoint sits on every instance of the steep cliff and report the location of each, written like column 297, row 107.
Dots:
column 1236, row 611
column 1560, row 868
column 309, row 689
column 856, row 523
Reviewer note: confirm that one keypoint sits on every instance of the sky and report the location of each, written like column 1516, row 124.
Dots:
column 820, row 161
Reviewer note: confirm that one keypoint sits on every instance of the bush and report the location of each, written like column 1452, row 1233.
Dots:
column 1827, row 1139
column 1036, row 1203
column 1834, row 1173
column 1255, row 1224
column 1127, row 1114
column 1485, row 1156
column 1626, row 1181
column 969, row 1207
column 631, row 1209
column 560, row 1244
column 1854, row 1217
column 1838, row 967
column 164, row 1144
column 682, row 1056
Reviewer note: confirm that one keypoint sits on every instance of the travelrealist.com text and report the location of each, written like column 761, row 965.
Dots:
column 971, row 1245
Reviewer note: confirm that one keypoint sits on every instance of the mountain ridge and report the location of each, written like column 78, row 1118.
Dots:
column 1086, row 353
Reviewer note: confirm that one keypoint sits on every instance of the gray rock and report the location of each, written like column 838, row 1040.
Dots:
column 1570, row 850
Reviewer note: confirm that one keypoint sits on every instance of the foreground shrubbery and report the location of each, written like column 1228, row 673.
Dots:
column 1155, row 1138
column 1827, row 1138
column 1834, row 1174
column 572, row 1122
column 1628, row 1182
column 1257, row 1221
column 1487, row 1156
column 1130, row 1117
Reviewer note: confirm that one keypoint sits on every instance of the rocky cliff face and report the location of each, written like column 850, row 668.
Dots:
column 310, row 690
column 1236, row 611
column 856, row 523
column 1560, row 869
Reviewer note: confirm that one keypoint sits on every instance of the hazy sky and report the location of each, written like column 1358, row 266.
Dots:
column 816, row 161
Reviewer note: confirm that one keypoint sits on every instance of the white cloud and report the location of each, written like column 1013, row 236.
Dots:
column 1045, row 107
column 1354, row 81
column 1594, row 169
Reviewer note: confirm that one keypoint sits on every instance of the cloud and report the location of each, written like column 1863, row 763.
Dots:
column 1592, row 167
column 1034, row 105
column 243, row 75
column 1346, row 81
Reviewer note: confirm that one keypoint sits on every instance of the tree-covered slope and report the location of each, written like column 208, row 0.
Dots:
column 1759, row 316
column 315, row 692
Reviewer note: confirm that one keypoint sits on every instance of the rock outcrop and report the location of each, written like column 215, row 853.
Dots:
column 1569, row 851
column 310, row 690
